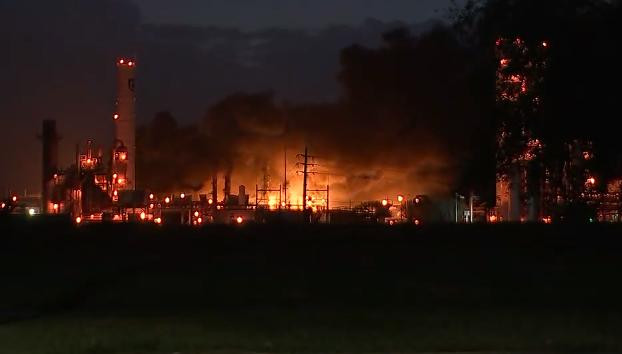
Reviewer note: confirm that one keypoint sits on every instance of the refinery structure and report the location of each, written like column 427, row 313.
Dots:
column 102, row 184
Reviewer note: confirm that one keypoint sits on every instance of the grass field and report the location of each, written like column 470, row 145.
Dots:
column 317, row 289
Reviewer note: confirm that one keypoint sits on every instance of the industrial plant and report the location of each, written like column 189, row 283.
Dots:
column 101, row 186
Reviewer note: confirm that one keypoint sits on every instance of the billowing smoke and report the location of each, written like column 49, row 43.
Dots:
column 404, row 125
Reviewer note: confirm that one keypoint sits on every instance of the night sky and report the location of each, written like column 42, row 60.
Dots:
column 254, row 14
column 61, row 55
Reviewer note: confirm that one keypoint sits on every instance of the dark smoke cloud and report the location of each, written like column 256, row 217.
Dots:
column 404, row 125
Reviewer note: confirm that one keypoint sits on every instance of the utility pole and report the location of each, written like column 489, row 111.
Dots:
column 305, row 173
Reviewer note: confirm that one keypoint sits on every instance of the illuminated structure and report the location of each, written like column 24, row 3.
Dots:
column 124, row 150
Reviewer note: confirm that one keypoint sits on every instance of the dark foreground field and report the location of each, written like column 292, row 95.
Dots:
column 282, row 289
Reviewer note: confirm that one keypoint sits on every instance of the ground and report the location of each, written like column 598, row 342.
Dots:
column 317, row 289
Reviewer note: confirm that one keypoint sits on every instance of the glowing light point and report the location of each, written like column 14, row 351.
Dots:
column 158, row 221
column 121, row 61
column 210, row 201
column 196, row 214
column 167, row 200
column 239, row 220
column 143, row 216
column 78, row 220
column 151, row 196
column 400, row 198
column 3, row 205
column 55, row 207
column 183, row 196
column 385, row 202
column 591, row 181
column 199, row 220
column 115, row 117
column 31, row 211
column 14, row 199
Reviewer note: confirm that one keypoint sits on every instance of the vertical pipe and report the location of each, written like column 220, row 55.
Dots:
column 215, row 191
column 306, row 216
column 49, row 139
column 285, row 174
column 471, row 207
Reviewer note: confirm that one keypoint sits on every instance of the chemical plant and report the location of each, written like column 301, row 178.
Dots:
column 101, row 185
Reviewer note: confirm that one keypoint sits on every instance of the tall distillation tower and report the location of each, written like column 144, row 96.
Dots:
column 124, row 151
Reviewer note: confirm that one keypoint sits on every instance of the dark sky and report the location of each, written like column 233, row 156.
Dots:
column 254, row 14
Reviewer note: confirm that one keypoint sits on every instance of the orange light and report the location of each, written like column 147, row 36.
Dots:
column 3, row 205
column 143, row 216
column 115, row 193
column 493, row 218
column 210, row 201
column 183, row 196
column 14, row 199
column 283, row 204
column 219, row 207
column 151, row 196
column 545, row 44
column 89, row 161
column 196, row 214
column 115, row 117
column 385, row 202
column 122, row 156
column 239, row 220
column 417, row 201
column 199, row 220
column 55, row 206
column 157, row 220
column 121, row 181
column 400, row 198
column 121, row 61
column 591, row 180
column 151, row 206
column 167, row 200
column 78, row 220
column 417, row 222
column 131, row 63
